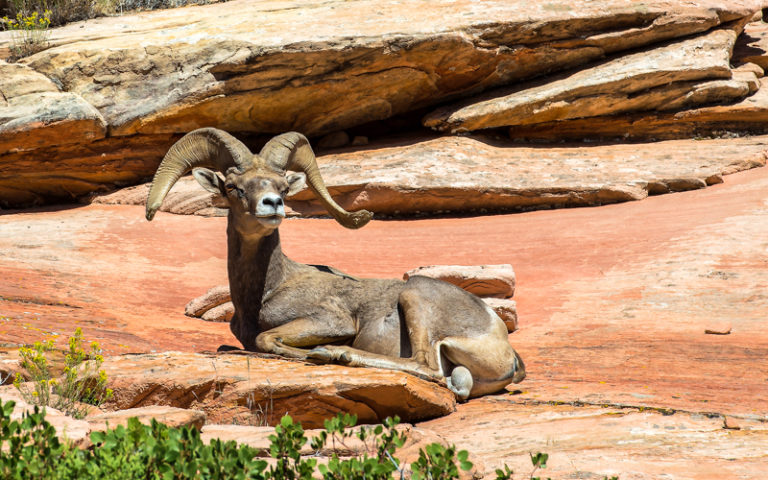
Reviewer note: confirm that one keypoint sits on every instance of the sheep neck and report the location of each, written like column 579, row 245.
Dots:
column 256, row 266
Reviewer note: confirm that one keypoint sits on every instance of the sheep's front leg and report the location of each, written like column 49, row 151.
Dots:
column 288, row 339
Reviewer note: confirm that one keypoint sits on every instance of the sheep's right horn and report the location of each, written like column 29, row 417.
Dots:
column 204, row 147
column 291, row 151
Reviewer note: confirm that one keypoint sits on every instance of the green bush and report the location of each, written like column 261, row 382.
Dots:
column 29, row 449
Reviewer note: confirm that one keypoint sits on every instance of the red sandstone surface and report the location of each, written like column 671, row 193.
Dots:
column 613, row 301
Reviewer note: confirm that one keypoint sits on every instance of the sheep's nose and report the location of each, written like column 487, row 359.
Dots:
column 270, row 204
column 272, row 200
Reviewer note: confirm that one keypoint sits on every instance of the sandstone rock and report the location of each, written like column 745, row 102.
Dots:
column 214, row 297
column 192, row 69
column 10, row 364
column 680, row 75
column 497, row 281
column 333, row 140
column 623, row 442
column 75, row 431
column 506, row 309
column 748, row 115
column 153, row 76
column 482, row 174
column 35, row 114
column 752, row 45
column 185, row 198
column 63, row 173
column 253, row 389
column 171, row 416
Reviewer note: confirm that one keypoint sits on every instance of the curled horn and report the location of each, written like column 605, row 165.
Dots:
column 291, row 151
column 204, row 147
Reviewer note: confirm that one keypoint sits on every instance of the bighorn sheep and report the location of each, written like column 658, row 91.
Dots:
column 424, row 327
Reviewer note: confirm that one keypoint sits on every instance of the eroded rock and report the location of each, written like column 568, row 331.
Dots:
column 680, row 75
column 34, row 113
column 255, row 67
column 506, row 309
column 726, row 121
column 253, row 389
column 171, row 416
column 497, row 281
column 484, row 174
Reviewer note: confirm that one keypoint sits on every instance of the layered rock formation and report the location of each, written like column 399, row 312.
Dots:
column 105, row 102
column 250, row 389
column 482, row 174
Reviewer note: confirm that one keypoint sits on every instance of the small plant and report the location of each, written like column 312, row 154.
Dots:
column 29, row 32
column 379, row 444
column 82, row 383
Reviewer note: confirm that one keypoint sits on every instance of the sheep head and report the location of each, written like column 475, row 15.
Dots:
column 254, row 185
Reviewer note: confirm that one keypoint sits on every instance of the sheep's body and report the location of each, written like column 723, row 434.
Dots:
column 423, row 326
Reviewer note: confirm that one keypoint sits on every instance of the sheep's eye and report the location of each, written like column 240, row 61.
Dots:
column 230, row 187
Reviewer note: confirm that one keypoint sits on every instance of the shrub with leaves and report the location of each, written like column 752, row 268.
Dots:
column 82, row 383
column 30, row 449
column 29, row 32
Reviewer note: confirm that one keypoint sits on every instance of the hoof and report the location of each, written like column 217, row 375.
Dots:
column 227, row 348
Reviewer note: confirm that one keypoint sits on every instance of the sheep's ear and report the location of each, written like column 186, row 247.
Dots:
column 296, row 181
column 209, row 180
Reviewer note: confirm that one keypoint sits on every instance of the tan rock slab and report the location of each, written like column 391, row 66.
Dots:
column 482, row 174
column 752, row 45
column 749, row 115
column 171, row 416
column 35, row 114
column 214, row 297
column 176, row 70
column 75, row 431
column 66, row 172
column 497, row 281
column 626, row 442
column 671, row 77
column 255, row 390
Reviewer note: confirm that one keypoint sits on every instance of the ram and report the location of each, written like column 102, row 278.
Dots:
column 422, row 326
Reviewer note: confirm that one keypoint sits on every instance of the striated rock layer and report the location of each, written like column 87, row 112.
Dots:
column 250, row 389
column 481, row 174
column 676, row 76
column 108, row 100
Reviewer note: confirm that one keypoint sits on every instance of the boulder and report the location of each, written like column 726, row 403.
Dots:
column 253, row 389
column 495, row 281
column 752, row 45
column 679, row 75
column 34, row 113
column 481, row 174
column 741, row 118
column 171, row 416
column 193, row 69
column 214, row 297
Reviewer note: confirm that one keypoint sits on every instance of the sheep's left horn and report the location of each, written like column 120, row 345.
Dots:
column 204, row 147
column 291, row 151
